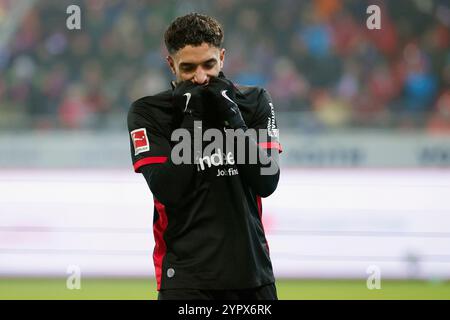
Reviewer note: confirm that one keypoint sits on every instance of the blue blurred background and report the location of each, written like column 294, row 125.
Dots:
column 315, row 57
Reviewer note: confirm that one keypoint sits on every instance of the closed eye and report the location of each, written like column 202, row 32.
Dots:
column 210, row 64
column 187, row 67
column 190, row 67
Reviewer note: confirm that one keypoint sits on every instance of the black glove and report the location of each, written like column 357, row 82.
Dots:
column 190, row 105
column 188, row 99
column 221, row 94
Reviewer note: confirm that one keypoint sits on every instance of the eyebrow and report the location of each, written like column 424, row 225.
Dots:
column 189, row 64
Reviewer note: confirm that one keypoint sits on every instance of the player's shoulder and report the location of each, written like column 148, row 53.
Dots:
column 250, row 93
column 253, row 95
column 160, row 102
column 153, row 109
column 157, row 106
column 253, row 100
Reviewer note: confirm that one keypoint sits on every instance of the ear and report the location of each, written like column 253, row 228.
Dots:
column 222, row 57
column 171, row 63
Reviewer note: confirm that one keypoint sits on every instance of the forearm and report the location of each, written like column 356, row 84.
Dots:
column 168, row 181
column 260, row 168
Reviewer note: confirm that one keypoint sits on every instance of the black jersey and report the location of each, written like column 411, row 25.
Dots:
column 207, row 218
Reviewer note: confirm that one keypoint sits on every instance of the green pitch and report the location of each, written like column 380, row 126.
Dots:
column 287, row 289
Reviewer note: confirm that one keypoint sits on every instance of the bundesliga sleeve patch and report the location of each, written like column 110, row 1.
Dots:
column 140, row 141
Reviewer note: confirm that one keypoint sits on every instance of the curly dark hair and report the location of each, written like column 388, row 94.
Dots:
column 193, row 29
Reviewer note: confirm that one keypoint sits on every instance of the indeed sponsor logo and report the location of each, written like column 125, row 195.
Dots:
column 216, row 159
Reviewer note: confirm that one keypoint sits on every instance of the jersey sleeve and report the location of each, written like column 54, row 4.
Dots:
column 262, row 176
column 264, row 121
column 148, row 144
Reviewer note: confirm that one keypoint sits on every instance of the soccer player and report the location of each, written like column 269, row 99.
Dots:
column 209, row 237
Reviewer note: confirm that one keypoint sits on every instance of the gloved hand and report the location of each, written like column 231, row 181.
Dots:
column 189, row 105
column 188, row 99
column 221, row 95
column 189, row 108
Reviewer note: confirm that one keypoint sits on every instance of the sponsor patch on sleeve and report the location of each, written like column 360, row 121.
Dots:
column 272, row 130
column 140, row 141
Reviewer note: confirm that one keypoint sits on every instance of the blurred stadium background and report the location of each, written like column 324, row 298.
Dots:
column 364, row 119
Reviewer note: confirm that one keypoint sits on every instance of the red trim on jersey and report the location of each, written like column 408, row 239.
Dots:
column 271, row 145
column 148, row 160
column 259, row 203
column 159, row 227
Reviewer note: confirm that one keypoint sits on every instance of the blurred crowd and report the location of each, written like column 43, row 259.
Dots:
column 323, row 67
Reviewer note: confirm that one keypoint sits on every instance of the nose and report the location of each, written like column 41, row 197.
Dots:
column 200, row 76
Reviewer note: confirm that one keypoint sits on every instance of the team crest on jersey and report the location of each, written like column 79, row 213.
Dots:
column 140, row 141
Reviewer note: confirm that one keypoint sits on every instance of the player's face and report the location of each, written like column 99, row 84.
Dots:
column 197, row 64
